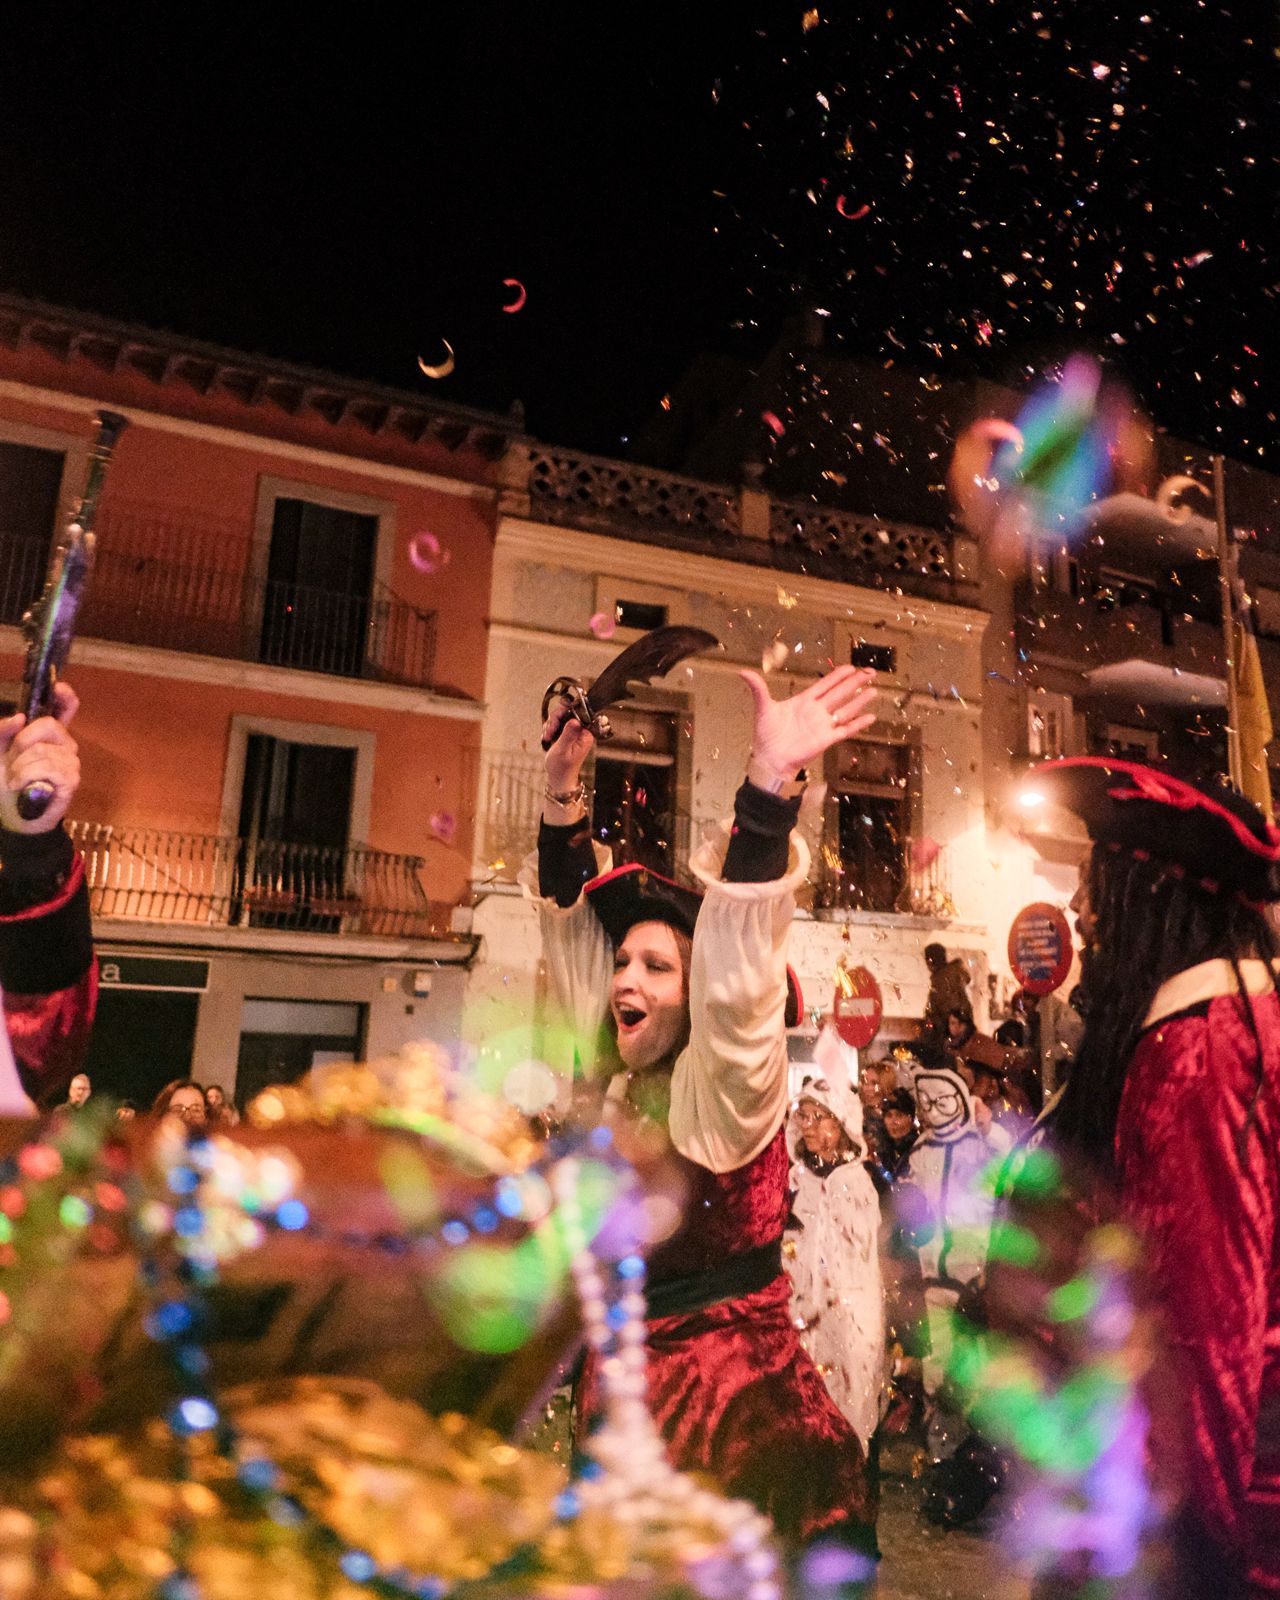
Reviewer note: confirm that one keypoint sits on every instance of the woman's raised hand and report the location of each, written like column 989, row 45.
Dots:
column 571, row 744
column 791, row 733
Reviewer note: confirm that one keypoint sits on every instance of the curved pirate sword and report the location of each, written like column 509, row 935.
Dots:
column 645, row 661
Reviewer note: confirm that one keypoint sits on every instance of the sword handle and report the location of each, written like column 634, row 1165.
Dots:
column 33, row 800
column 575, row 697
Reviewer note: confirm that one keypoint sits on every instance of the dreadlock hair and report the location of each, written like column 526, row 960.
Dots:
column 1152, row 921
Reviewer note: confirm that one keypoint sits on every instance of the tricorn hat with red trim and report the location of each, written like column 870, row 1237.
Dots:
column 1212, row 834
column 634, row 893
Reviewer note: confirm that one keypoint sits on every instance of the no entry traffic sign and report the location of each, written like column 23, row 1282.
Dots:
column 857, row 1008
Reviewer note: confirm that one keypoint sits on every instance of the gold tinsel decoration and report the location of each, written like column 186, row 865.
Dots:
column 439, row 1497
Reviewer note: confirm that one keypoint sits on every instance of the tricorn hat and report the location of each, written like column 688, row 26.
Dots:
column 1213, row 835
column 635, row 893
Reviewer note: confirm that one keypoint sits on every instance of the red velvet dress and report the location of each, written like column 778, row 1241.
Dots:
column 1205, row 1199
column 732, row 1390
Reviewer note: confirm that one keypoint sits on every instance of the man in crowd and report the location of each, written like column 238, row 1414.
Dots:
column 948, row 991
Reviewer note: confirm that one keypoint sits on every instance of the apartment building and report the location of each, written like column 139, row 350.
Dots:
column 1110, row 640
column 281, row 665
column 898, row 843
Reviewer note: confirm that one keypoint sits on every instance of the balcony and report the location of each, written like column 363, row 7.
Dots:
column 629, row 501
column 177, row 596
column 1083, row 635
column 218, row 881
column 905, row 881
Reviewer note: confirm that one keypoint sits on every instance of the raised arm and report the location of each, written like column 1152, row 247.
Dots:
column 574, row 947
column 729, row 1090
column 46, row 946
column 566, row 859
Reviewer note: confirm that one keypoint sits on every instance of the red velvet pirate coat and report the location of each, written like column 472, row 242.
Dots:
column 1198, row 1157
column 47, row 968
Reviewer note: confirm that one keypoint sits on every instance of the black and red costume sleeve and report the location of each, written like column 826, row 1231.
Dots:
column 47, row 966
column 757, row 852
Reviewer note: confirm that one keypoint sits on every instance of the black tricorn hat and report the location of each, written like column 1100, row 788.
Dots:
column 1215, row 836
column 635, row 893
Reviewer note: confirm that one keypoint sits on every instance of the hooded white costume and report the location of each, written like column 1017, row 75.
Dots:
column 948, row 1165
column 831, row 1254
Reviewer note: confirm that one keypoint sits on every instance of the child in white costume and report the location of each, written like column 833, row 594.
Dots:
column 837, row 1297
column 949, row 1166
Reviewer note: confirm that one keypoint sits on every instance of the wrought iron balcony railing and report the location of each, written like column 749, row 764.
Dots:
column 909, row 878
column 637, row 502
column 153, row 875
column 914, row 879
column 142, row 597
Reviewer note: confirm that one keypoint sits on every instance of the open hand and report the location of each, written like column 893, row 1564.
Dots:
column 39, row 751
column 791, row 733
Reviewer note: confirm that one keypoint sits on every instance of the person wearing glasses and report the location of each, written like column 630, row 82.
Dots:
column 949, row 1167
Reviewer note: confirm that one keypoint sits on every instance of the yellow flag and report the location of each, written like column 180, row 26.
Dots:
column 1253, row 717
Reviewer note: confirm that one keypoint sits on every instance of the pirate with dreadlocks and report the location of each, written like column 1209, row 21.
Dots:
column 1174, row 1101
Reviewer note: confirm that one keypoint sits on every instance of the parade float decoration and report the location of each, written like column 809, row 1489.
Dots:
column 289, row 1358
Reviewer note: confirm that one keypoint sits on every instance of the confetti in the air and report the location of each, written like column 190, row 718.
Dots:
column 842, row 206
column 441, row 369
column 427, row 554
column 604, row 624
column 444, row 825
column 1000, row 186
column 518, row 300
column 924, row 852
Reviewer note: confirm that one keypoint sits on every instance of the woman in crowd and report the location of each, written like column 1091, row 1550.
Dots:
column 686, row 994
column 832, row 1236
column 182, row 1098
column 902, row 1215
column 898, row 1110
column 873, row 1080
column 1174, row 1099
column 218, row 1108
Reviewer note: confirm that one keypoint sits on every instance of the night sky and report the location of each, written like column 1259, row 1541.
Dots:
column 976, row 188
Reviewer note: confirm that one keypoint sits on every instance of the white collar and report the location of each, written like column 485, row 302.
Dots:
column 1211, row 980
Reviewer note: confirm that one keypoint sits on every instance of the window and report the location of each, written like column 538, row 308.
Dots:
column 879, row 657
column 1049, row 725
column 30, row 480
column 867, row 826
column 1130, row 744
column 295, row 823
column 315, row 611
column 282, row 1040
column 639, row 614
column 635, row 788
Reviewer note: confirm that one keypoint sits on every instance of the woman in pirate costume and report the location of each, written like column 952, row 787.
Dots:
column 691, row 988
column 1175, row 1101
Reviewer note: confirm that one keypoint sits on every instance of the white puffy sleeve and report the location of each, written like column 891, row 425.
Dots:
column 579, row 961
column 729, row 1088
